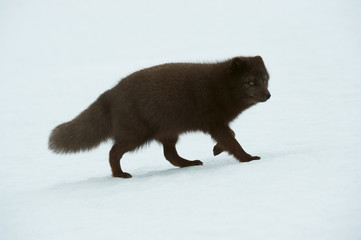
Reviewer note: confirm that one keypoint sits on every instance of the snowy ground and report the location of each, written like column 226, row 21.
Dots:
column 58, row 56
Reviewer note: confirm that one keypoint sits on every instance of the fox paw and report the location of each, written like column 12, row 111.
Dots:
column 122, row 175
column 188, row 163
column 250, row 158
column 217, row 149
column 197, row 162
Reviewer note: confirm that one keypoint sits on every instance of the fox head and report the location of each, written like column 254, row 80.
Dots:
column 249, row 78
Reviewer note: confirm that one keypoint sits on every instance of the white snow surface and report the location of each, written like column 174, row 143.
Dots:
column 58, row 56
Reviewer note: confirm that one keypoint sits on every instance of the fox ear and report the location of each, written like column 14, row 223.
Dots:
column 259, row 58
column 238, row 64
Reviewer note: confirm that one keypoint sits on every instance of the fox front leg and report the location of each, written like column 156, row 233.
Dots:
column 227, row 142
column 218, row 149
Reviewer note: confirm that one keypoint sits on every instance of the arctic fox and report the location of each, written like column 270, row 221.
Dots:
column 161, row 102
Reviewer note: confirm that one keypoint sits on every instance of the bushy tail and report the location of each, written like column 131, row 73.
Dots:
column 86, row 131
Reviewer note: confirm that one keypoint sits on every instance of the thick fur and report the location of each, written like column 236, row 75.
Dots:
column 84, row 132
column 161, row 102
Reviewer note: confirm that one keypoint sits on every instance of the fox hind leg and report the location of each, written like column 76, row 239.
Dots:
column 171, row 154
column 116, row 153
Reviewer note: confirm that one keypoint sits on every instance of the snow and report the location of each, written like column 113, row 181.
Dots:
column 58, row 56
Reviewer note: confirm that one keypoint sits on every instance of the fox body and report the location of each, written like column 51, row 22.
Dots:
column 160, row 103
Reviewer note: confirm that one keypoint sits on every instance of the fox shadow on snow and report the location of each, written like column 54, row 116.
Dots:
column 146, row 174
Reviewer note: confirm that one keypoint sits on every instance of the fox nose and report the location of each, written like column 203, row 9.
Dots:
column 268, row 95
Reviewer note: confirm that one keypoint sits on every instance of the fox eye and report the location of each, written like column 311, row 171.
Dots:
column 251, row 83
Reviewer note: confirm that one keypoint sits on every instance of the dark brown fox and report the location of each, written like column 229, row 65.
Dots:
column 162, row 102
